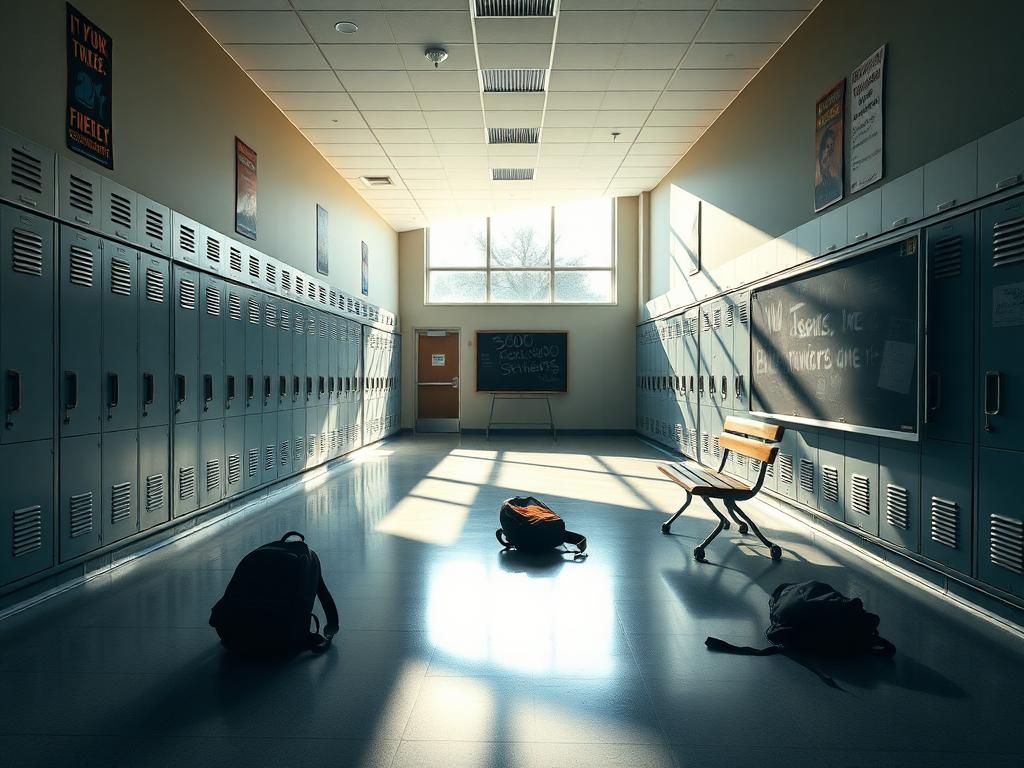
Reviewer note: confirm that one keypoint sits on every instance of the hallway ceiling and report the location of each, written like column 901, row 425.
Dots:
column 656, row 72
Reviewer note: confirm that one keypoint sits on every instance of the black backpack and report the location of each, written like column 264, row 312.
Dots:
column 268, row 604
column 529, row 525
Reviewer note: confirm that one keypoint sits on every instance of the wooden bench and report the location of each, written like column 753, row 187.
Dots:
column 753, row 439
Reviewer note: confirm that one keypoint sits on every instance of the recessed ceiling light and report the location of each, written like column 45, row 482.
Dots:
column 347, row 27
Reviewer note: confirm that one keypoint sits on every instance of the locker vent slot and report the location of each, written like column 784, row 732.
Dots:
column 26, row 530
column 284, row 454
column 155, row 285
column 269, row 458
column 739, row 460
column 186, row 238
column 300, row 284
column 154, row 224
column 271, row 315
column 830, row 484
column 945, row 258
column 271, row 274
column 755, row 466
column 1006, row 542
column 323, row 443
column 310, row 446
column 300, row 449
column 120, row 277
column 333, row 300
column 235, row 259
column 254, row 266
column 286, row 319
column 310, row 290
column 235, row 307
column 860, row 494
column 807, row 475
column 286, row 280
column 730, row 313
column 27, row 252
column 323, row 329
column 897, row 506
column 213, row 250
column 321, row 294
column 254, row 311
column 154, row 493
column 187, row 295
column 693, row 441
column 717, row 322
column 705, row 442
column 945, row 522
column 743, row 311
column 186, row 482
column 26, row 171
column 718, row 448
column 1008, row 242
column 212, row 300
column 120, row 210
column 786, row 468
column 254, row 462
column 81, row 264
column 212, row 474
column 80, row 194
column 234, row 468
column 120, row 502
column 81, row 514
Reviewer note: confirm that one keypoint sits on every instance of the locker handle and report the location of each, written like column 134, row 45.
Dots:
column 330, row 385
column 992, row 410
column 1009, row 181
column 711, row 385
column 114, row 390
column 250, row 387
column 181, row 383
column 230, row 388
column 934, row 390
column 946, row 205
column 282, row 387
column 71, row 402
column 295, row 388
column 861, row 236
column 725, row 387
column 149, row 389
column 899, row 222
column 207, row 391
column 266, row 390
column 700, row 385
column 309, row 387
column 322, row 387
column 738, row 389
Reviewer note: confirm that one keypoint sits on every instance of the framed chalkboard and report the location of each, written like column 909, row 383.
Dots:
column 838, row 347
column 522, row 361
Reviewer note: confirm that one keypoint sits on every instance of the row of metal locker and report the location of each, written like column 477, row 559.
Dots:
column 950, row 497
column 137, row 390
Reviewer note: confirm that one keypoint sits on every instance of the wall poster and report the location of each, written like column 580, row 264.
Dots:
column 867, row 122
column 321, row 240
column 828, row 147
column 245, row 189
column 366, row 268
column 90, row 86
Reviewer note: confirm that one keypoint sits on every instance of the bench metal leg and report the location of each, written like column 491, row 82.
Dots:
column 667, row 525
column 741, row 526
column 698, row 552
column 773, row 549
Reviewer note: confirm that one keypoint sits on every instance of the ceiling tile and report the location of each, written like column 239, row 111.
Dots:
column 460, row 56
column 566, row 135
column 357, row 163
column 569, row 119
column 229, row 27
column 574, row 56
column 513, row 101
column 338, row 135
column 388, row 136
column 453, row 101
column 548, row 160
column 353, row 174
column 750, row 26
column 439, row 80
column 515, row 30
column 649, row 161
column 295, row 80
column 455, row 163
column 618, row 118
column 696, row 99
column 729, row 55
column 676, row 148
column 565, row 149
column 386, row 101
column 603, row 135
column 416, row 162
column 456, row 135
column 421, row 26
column 238, row 5
column 517, row 56
column 373, row 26
column 580, row 80
column 650, row 56
column 326, row 119
column 683, row 117
column 590, row 100
column 277, row 56
column 347, row 57
column 331, row 5
column 351, row 150
column 665, row 26
column 455, row 119
column 669, row 134
column 395, row 119
column 761, row 5
column 375, row 81
column 297, row 100
column 450, row 151
column 428, row 184
column 398, row 151
column 629, row 100
column 410, row 174
column 524, row 118
column 594, row 26
column 639, row 80
column 711, row 79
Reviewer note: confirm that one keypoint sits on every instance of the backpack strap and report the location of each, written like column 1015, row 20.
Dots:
column 500, row 536
column 882, row 647
column 318, row 642
column 715, row 644
column 293, row 533
column 577, row 540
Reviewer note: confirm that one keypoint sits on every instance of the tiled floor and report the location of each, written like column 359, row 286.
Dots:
column 453, row 654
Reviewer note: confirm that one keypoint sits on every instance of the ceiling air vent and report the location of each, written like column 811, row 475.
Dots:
column 514, row 8
column 377, row 181
column 513, row 80
column 512, row 174
column 512, row 135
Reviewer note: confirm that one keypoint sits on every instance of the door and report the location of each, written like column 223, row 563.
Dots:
column 80, row 280
column 120, row 352
column 211, row 348
column 186, row 347
column 154, row 342
column 120, row 476
column 437, row 381
column 235, row 387
column 26, row 509
column 79, row 495
column 154, row 488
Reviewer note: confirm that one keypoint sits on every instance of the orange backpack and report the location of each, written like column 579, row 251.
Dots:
column 529, row 525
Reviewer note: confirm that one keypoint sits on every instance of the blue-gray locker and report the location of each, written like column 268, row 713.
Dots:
column 323, row 358
column 211, row 461
column 786, row 464
column 234, row 452
column 26, row 509
column 946, row 494
column 1000, row 553
column 723, row 320
column 691, row 370
column 312, row 358
column 333, row 436
column 299, row 447
column 253, row 390
column 333, row 359
column 705, row 394
column 213, row 249
column 27, row 288
column 28, row 173
column 270, row 388
column 154, row 481
column 234, row 387
column 358, row 384
column 186, row 348
column 285, row 443
column 253, row 455
column 120, row 473
column 211, row 347
column 154, row 342
column 861, row 483
column 899, row 493
column 120, row 355
column 741, row 354
column 949, row 333
column 806, row 466
column 831, row 473
column 300, row 394
column 344, row 385
column 81, row 497
column 707, row 436
column 286, row 385
column 186, row 464
column 316, row 433
column 269, row 447
column 81, row 278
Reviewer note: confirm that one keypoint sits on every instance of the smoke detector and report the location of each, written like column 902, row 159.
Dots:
column 346, row 27
column 435, row 55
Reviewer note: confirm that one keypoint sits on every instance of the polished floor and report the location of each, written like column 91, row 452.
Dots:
column 453, row 654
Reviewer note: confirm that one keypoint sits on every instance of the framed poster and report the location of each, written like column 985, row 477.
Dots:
column 828, row 147
column 366, row 268
column 321, row 240
column 245, row 189
column 89, row 129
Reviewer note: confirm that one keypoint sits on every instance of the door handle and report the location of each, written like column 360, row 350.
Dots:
column 992, row 377
column 330, row 386
column 250, row 387
column 180, row 383
column 149, row 392
column 71, row 399
column 321, row 388
column 309, row 387
column 282, row 387
column 207, row 391
column 113, row 391
column 738, row 388
column 455, row 382
column 230, row 390
column 295, row 388
column 725, row 387
column 266, row 390
column 700, row 386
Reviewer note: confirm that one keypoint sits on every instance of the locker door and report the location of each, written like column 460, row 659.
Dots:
column 950, row 268
column 786, row 464
column 1000, row 553
column 253, row 455
column 28, row 171
column 723, row 368
column 186, row 349
column 234, row 453
column 807, row 463
column 80, row 495
column 211, row 461
column 345, row 384
column 120, row 472
column 831, row 474
column 333, row 360
column 323, row 359
column 314, row 436
column 285, row 444
column 120, row 356
column 359, row 386
column 26, row 509
column 899, row 493
column 253, row 387
column 186, row 461
column 691, row 367
column 707, row 436
column 946, row 492
column 235, row 383
column 154, row 485
column 706, row 343
column 80, row 280
column 285, row 357
column 299, row 395
column 269, row 448
column 211, row 348
column 312, row 358
column 271, row 373
column 299, row 442
column 741, row 355
column 154, row 342
column 862, row 483
column 26, row 326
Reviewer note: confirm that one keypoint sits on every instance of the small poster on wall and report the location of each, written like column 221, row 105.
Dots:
column 828, row 147
column 90, row 86
column 366, row 268
column 245, row 189
column 867, row 127
column 321, row 240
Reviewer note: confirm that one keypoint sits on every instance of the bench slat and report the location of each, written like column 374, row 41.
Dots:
column 753, row 448
column 697, row 479
column 753, row 428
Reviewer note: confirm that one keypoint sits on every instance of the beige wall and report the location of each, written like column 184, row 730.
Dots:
column 179, row 101
column 601, row 340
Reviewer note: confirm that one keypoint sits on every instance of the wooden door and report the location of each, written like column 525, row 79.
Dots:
column 437, row 381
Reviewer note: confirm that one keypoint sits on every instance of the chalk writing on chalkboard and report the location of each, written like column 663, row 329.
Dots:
column 521, row 361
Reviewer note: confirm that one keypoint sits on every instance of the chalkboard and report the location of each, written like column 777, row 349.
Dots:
column 522, row 361
column 839, row 347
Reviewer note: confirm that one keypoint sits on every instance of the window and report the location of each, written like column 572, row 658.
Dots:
column 560, row 255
